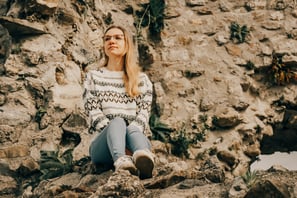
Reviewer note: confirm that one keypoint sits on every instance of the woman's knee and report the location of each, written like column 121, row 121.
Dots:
column 133, row 129
column 118, row 121
column 117, row 124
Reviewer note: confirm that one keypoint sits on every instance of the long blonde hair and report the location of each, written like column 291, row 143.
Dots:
column 131, row 68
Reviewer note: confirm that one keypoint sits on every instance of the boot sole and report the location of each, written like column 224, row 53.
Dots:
column 145, row 167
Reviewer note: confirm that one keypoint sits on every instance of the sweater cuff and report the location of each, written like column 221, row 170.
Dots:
column 100, row 126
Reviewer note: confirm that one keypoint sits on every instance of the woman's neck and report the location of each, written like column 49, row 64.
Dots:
column 115, row 64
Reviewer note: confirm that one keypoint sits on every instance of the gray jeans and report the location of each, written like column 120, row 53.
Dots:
column 111, row 143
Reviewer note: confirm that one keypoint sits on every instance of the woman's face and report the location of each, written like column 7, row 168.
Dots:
column 114, row 42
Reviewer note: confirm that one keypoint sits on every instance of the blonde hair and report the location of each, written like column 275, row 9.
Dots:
column 131, row 68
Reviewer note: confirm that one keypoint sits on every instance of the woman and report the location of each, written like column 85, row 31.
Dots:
column 117, row 99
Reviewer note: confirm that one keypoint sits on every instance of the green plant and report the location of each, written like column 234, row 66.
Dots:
column 52, row 164
column 180, row 144
column 108, row 18
column 250, row 65
column 281, row 74
column 182, row 141
column 200, row 136
column 157, row 16
column 143, row 19
column 258, row 129
column 201, row 155
column 39, row 114
column 214, row 121
column 290, row 36
column 250, row 178
column 152, row 15
column 160, row 131
column 238, row 32
column 203, row 118
column 249, row 6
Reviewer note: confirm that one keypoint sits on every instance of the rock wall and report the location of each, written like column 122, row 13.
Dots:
column 207, row 82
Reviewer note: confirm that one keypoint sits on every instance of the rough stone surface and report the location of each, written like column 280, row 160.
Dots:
column 207, row 85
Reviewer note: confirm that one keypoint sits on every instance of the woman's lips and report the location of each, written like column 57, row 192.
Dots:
column 112, row 47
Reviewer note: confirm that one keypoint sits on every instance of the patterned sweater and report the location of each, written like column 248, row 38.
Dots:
column 105, row 98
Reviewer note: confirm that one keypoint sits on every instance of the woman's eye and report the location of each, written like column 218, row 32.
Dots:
column 119, row 37
column 107, row 38
column 116, row 37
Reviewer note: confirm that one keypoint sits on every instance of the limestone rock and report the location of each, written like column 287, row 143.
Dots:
column 45, row 7
column 268, row 188
column 8, row 185
column 196, row 2
column 21, row 27
column 227, row 157
column 5, row 42
column 196, row 70
column 14, row 151
column 121, row 184
column 227, row 118
column 238, row 188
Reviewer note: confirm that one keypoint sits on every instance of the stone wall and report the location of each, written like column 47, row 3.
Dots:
column 196, row 69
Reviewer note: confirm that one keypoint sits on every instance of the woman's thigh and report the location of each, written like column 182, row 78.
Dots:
column 99, row 150
column 136, row 140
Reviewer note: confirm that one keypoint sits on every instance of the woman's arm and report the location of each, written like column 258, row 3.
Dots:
column 93, row 108
column 143, row 102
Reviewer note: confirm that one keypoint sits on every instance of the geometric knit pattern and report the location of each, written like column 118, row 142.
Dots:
column 105, row 98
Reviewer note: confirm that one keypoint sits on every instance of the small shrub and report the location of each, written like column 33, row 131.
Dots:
column 39, row 114
column 205, row 126
column 160, row 131
column 152, row 15
column 238, row 32
column 53, row 165
column 108, row 18
column 157, row 8
column 290, row 36
column 281, row 74
column 183, row 140
column 250, row 178
column 180, row 144
column 203, row 118
column 214, row 121
column 180, row 140
column 258, row 129
column 250, row 65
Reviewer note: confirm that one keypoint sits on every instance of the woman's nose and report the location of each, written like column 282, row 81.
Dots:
column 112, row 39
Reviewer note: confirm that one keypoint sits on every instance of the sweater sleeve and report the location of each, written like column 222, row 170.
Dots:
column 92, row 105
column 144, row 102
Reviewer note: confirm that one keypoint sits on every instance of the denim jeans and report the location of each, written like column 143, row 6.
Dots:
column 111, row 143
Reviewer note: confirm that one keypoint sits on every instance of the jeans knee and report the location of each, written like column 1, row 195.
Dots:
column 133, row 129
column 118, row 121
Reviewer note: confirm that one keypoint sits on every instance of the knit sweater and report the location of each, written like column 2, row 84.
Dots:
column 105, row 98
